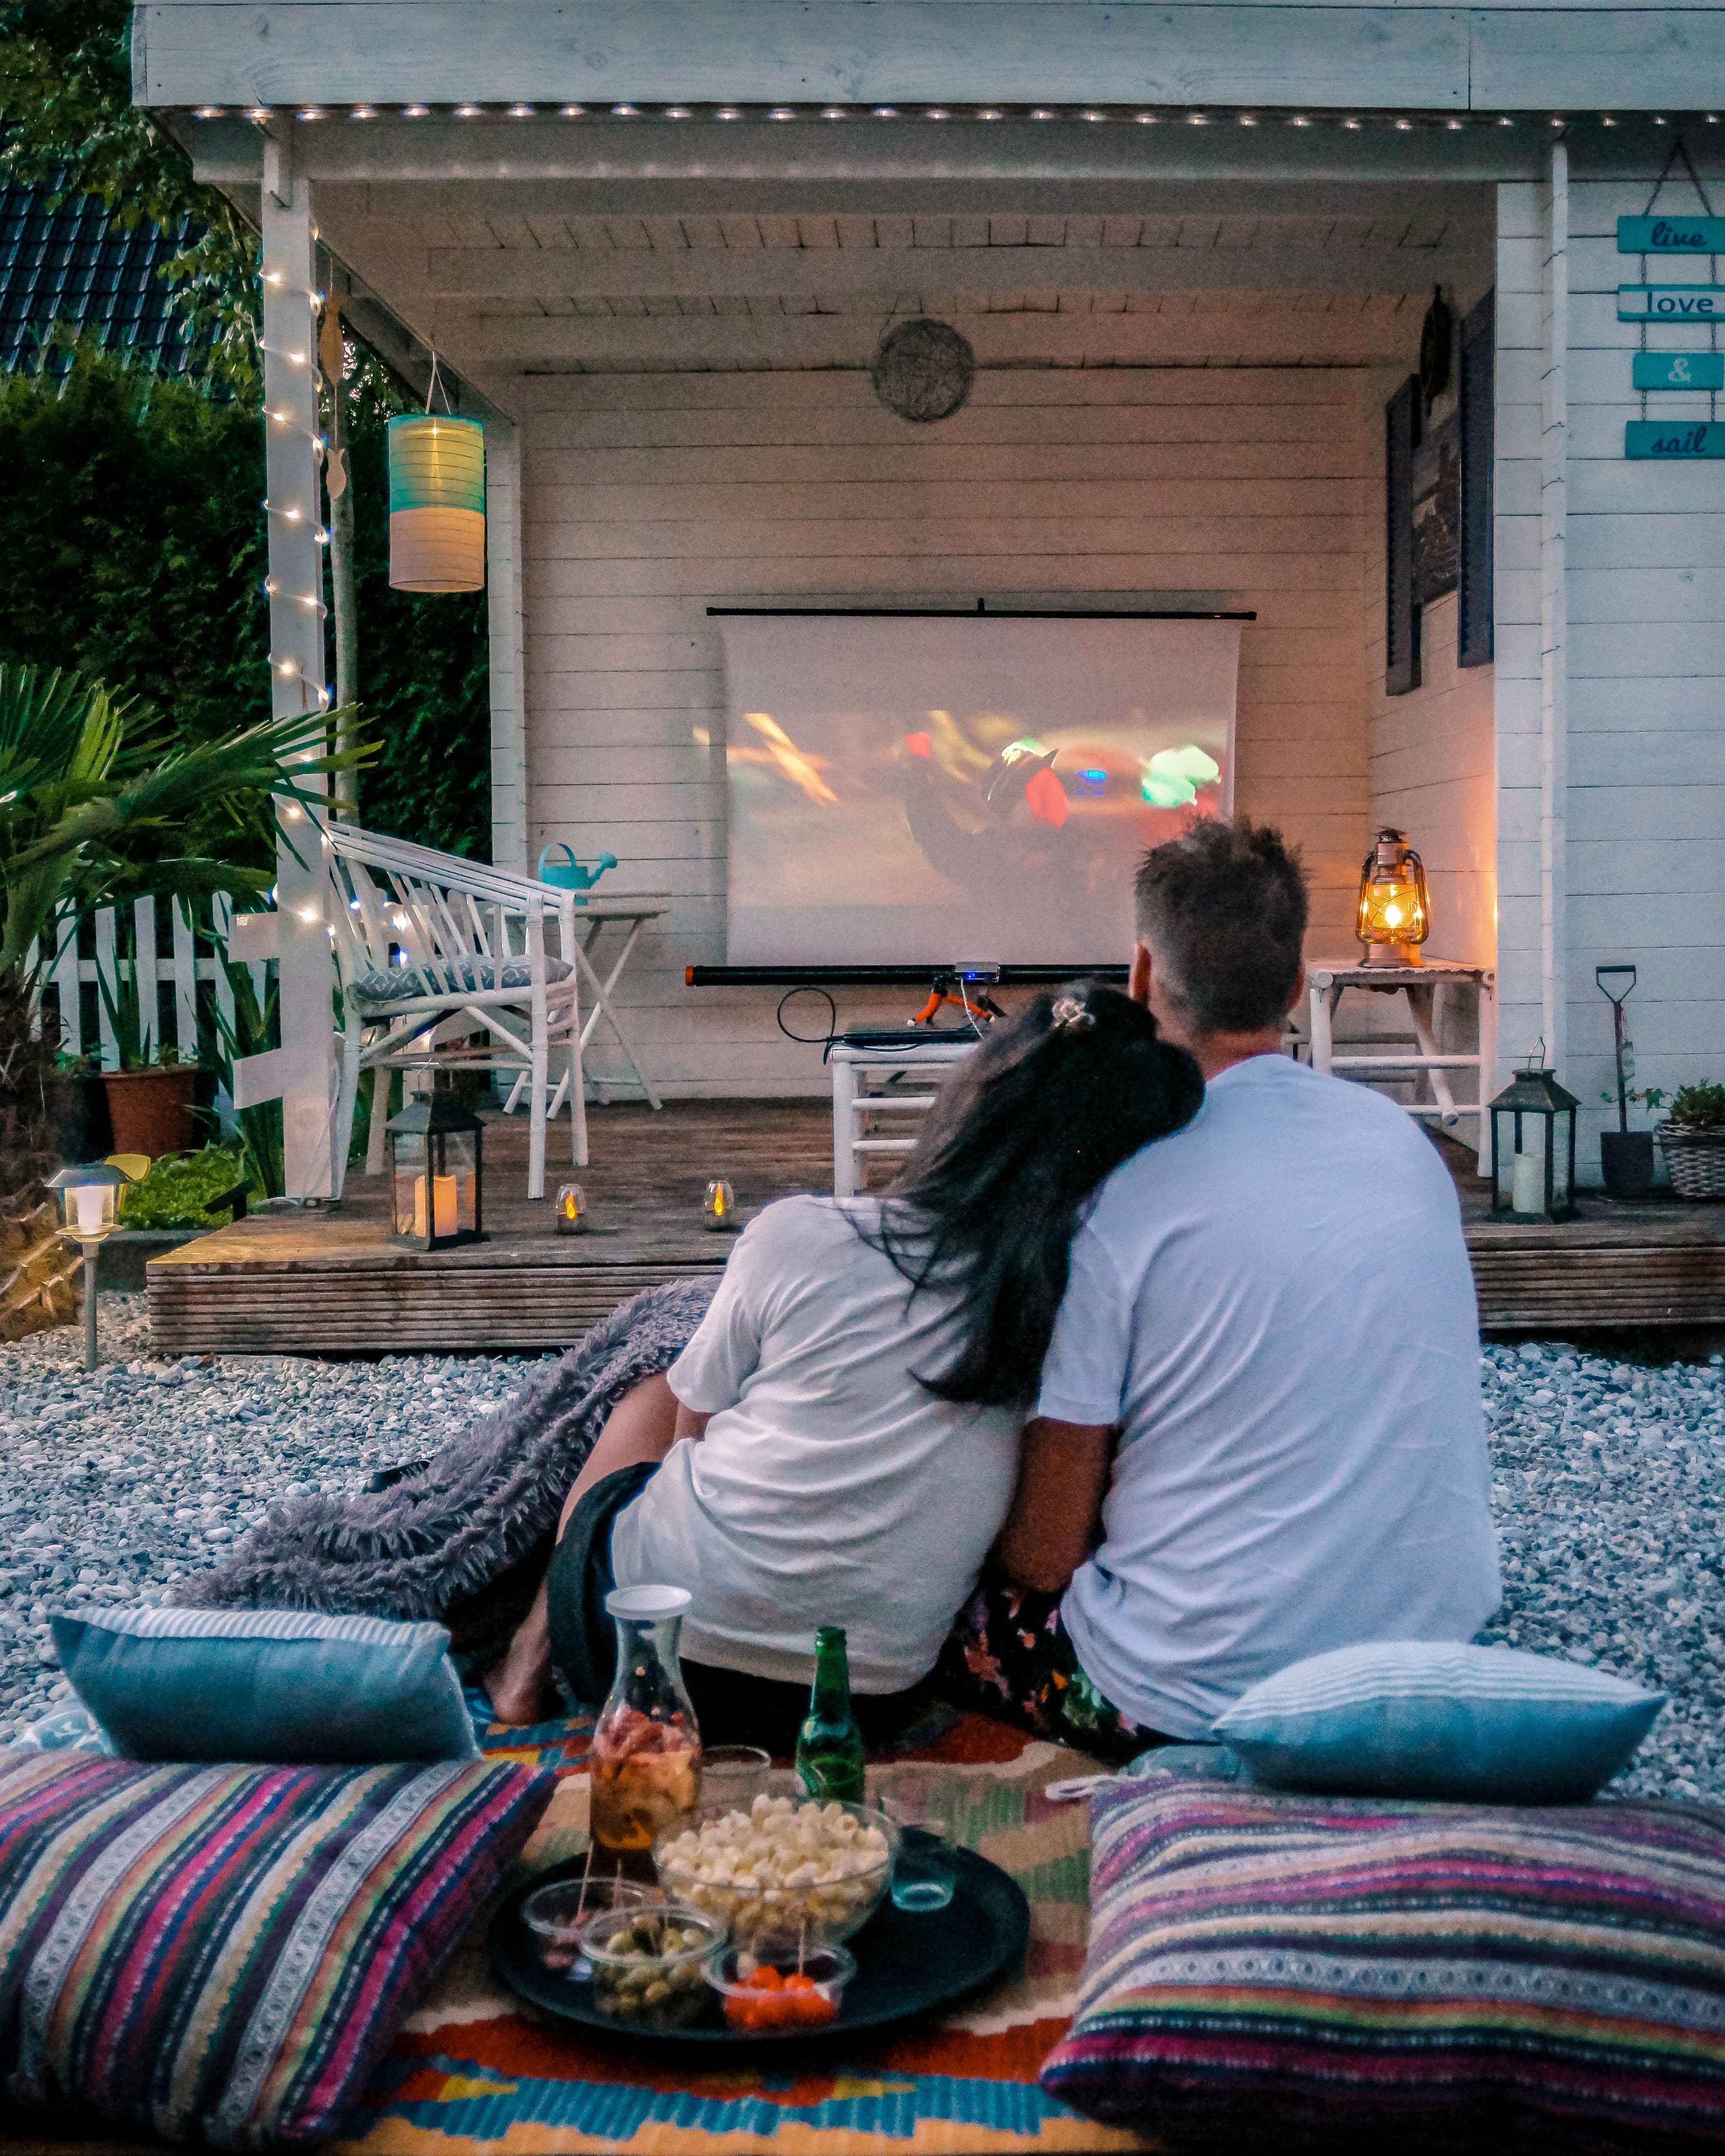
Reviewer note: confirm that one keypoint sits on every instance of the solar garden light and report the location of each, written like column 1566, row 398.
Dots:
column 436, row 1174
column 1395, row 907
column 1625, row 1156
column 89, row 1200
column 1533, row 1146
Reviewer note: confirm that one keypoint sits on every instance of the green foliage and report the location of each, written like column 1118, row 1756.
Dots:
column 132, row 541
column 254, row 1028
column 97, row 806
column 133, row 548
column 180, row 1188
column 67, row 122
column 1698, row 1108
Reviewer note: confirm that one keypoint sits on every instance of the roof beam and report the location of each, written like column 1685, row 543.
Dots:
column 852, row 273
column 1358, row 336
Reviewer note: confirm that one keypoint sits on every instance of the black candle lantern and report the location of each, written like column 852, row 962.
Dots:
column 1533, row 1146
column 436, row 1176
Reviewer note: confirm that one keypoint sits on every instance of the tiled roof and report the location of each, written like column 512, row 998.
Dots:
column 73, row 266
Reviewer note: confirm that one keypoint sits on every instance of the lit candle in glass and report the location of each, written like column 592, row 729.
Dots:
column 720, row 1205
column 571, row 1209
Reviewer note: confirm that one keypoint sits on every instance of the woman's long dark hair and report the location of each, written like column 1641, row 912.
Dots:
column 1053, row 1100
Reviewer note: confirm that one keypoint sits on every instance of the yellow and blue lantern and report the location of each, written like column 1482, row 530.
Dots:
column 437, row 503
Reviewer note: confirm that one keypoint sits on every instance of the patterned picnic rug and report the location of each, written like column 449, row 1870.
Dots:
column 477, row 2069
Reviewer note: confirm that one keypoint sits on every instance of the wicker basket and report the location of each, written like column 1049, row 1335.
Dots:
column 1696, row 1159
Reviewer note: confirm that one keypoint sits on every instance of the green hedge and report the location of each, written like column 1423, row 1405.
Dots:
column 132, row 546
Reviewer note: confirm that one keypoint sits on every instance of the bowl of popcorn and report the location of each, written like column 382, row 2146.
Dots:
column 788, row 1867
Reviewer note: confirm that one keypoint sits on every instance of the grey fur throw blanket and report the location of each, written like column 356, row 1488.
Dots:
column 464, row 1537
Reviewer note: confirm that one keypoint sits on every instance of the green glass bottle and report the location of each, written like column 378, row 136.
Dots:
column 829, row 1746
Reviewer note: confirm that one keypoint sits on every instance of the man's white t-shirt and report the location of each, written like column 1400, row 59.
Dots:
column 1276, row 1305
column 829, row 1488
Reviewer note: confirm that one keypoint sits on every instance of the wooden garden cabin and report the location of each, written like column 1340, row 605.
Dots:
column 654, row 243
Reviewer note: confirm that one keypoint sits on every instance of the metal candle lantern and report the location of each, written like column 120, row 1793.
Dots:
column 437, row 503
column 1533, row 1146
column 89, row 1201
column 720, row 1205
column 1395, row 907
column 436, row 1174
column 571, row 1209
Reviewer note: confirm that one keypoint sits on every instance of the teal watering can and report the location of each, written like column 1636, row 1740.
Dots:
column 569, row 874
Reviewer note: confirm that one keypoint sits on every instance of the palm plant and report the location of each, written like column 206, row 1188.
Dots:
column 100, row 804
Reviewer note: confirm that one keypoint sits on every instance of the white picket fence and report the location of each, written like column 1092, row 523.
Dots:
column 168, row 952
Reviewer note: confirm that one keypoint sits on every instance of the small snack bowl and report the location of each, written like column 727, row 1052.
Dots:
column 650, row 1964
column 558, row 1914
column 787, row 1867
column 779, row 1991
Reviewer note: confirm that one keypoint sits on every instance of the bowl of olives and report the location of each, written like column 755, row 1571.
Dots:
column 649, row 1964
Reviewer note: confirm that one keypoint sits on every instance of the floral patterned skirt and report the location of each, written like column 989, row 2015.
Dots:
column 1009, row 1655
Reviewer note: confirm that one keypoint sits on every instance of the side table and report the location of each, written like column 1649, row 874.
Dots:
column 1419, row 987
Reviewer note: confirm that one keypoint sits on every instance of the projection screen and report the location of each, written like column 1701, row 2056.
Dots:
column 923, row 788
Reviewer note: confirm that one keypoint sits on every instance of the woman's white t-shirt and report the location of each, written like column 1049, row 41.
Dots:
column 830, row 1488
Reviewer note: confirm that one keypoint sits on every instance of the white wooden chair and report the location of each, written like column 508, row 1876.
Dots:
column 444, row 964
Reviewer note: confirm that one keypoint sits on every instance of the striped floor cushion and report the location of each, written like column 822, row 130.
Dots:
column 227, row 1952
column 1351, row 1970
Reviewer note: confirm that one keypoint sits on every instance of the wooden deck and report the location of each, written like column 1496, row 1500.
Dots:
column 329, row 1282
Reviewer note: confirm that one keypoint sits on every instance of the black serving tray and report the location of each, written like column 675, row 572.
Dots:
column 907, row 1965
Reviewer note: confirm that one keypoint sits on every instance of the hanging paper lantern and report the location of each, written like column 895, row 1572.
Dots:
column 437, row 503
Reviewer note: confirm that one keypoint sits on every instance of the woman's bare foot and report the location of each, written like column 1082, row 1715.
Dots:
column 519, row 1687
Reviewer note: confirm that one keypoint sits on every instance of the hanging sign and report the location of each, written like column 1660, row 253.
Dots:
column 1679, row 370
column 1670, row 235
column 1673, row 441
column 1670, row 303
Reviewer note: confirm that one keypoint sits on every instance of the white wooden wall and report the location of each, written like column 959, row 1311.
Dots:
column 1645, row 668
column 1611, row 632
column 647, row 497
column 1432, row 763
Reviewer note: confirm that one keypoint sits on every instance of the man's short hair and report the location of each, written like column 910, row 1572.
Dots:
column 1223, row 910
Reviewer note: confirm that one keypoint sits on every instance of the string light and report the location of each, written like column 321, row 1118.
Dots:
column 520, row 112
column 208, row 112
column 575, row 112
column 886, row 112
column 257, row 112
column 731, row 112
column 624, row 112
column 310, row 112
column 363, row 112
column 680, row 112
column 416, row 112
column 467, row 112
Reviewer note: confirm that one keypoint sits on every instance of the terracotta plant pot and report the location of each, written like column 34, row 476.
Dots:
column 151, row 1110
column 1626, row 1161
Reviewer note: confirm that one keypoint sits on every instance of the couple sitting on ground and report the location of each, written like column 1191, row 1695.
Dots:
column 1157, row 1371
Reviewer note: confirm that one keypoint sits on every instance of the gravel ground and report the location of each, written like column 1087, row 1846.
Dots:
column 1607, row 1481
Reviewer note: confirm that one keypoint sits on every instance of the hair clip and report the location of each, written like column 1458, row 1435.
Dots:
column 1070, row 1016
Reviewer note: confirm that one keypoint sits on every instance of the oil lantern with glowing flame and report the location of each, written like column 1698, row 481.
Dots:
column 1394, row 910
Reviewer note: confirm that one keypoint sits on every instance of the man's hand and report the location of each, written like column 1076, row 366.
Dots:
column 1056, row 1512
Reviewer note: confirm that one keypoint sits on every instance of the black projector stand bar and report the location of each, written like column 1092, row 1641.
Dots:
column 888, row 977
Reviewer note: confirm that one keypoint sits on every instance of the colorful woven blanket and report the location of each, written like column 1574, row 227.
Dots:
column 477, row 2071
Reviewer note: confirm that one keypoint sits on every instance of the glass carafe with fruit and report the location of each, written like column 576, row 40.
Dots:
column 645, row 1760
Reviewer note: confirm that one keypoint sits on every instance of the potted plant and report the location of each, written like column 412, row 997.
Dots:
column 150, row 1095
column 1692, row 1139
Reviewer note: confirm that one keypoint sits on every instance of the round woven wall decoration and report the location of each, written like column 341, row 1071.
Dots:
column 923, row 369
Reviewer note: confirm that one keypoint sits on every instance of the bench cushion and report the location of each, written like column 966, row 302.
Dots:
column 225, row 1952
column 1506, row 1977
column 400, row 984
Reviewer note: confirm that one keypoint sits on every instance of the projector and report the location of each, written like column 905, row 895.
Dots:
column 977, row 969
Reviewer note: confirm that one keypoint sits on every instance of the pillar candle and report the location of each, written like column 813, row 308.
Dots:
column 443, row 1205
column 1527, row 1194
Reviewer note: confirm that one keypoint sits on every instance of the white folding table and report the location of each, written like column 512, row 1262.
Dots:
column 632, row 910
column 865, row 1084
column 1418, row 987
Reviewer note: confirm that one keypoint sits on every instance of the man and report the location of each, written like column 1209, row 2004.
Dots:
column 1259, row 1435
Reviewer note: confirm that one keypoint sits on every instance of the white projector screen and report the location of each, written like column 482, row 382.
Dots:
column 922, row 788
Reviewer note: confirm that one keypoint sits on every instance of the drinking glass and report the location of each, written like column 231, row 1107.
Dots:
column 925, row 1870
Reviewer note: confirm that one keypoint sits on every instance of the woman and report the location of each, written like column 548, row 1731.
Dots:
column 838, row 1444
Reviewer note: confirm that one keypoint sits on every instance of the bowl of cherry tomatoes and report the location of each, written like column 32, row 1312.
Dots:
column 784, row 1990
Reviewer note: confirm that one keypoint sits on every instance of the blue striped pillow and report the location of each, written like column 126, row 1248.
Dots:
column 1439, row 1721
column 226, row 1952
column 281, row 1687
